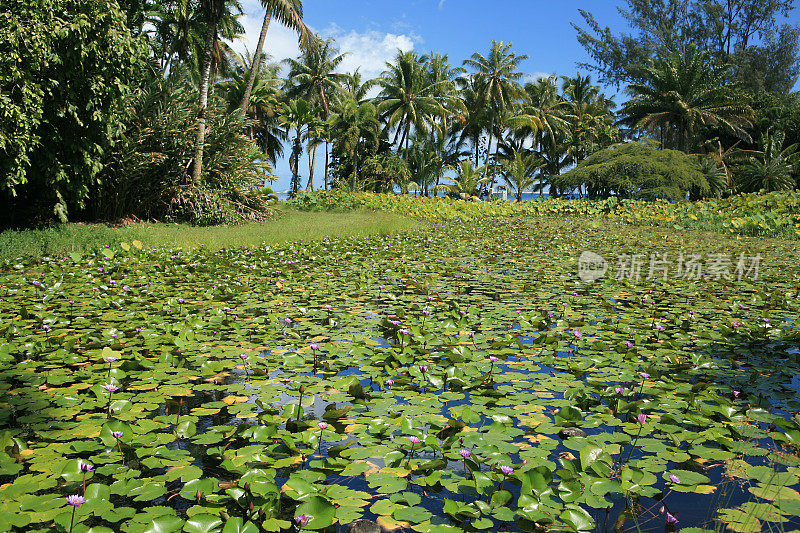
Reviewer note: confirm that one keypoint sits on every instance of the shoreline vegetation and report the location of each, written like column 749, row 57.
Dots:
column 339, row 213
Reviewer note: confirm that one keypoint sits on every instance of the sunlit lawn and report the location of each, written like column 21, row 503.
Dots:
column 289, row 225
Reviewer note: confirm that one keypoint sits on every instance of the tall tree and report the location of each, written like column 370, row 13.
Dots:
column 290, row 14
column 212, row 12
column 297, row 115
column 679, row 92
column 407, row 97
column 727, row 30
column 355, row 88
column 313, row 77
column 498, row 76
column 356, row 134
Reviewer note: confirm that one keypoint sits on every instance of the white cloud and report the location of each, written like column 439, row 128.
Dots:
column 537, row 76
column 369, row 50
column 441, row 5
column 280, row 43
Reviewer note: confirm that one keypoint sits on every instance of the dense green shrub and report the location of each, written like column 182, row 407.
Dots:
column 147, row 173
column 66, row 66
column 634, row 170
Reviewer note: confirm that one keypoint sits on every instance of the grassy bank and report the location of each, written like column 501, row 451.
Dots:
column 291, row 225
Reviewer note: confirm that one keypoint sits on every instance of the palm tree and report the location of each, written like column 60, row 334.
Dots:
column 771, row 168
column 352, row 87
column 518, row 172
column 213, row 12
column 543, row 102
column 300, row 116
column 290, row 14
column 716, row 176
column 312, row 77
column 355, row 131
column 407, row 98
column 468, row 182
column 473, row 119
column 498, row 77
column 589, row 117
column 679, row 92
column 441, row 76
column 264, row 103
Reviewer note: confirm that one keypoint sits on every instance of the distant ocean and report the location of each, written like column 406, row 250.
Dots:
column 284, row 195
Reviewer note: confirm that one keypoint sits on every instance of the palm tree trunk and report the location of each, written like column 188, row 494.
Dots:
column 326, row 164
column 251, row 76
column 197, row 167
column 312, row 160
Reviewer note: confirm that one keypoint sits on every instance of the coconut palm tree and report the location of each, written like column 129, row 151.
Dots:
column 407, row 98
column 498, row 77
column 313, row 78
column 473, row 120
column 589, row 117
column 518, row 172
column 353, row 88
column 468, row 182
column 290, row 14
column 264, row 103
column 355, row 132
column 442, row 76
column 679, row 92
column 297, row 115
column 213, row 11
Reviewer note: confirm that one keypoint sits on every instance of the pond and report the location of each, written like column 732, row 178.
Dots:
column 457, row 377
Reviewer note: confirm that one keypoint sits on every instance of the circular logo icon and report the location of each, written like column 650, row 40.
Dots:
column 591, row 266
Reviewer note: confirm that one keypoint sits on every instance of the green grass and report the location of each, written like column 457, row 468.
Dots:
column 291, row 225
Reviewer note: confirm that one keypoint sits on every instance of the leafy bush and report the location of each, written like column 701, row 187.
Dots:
column 147, row 173
column 634, row 170
column 333, row 200
column 66, row 66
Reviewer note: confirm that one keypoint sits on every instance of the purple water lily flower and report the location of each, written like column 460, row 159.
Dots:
column 671, row 519
column 117, row 434
column 577, row 333
column 76, row 500
column 110, row 388
column 414, row 440
column 507, row 470
column 465, row 453
column 302, row 520
column 322, row 425
column 641, row 418
column 675, row 479
column 619, row 390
